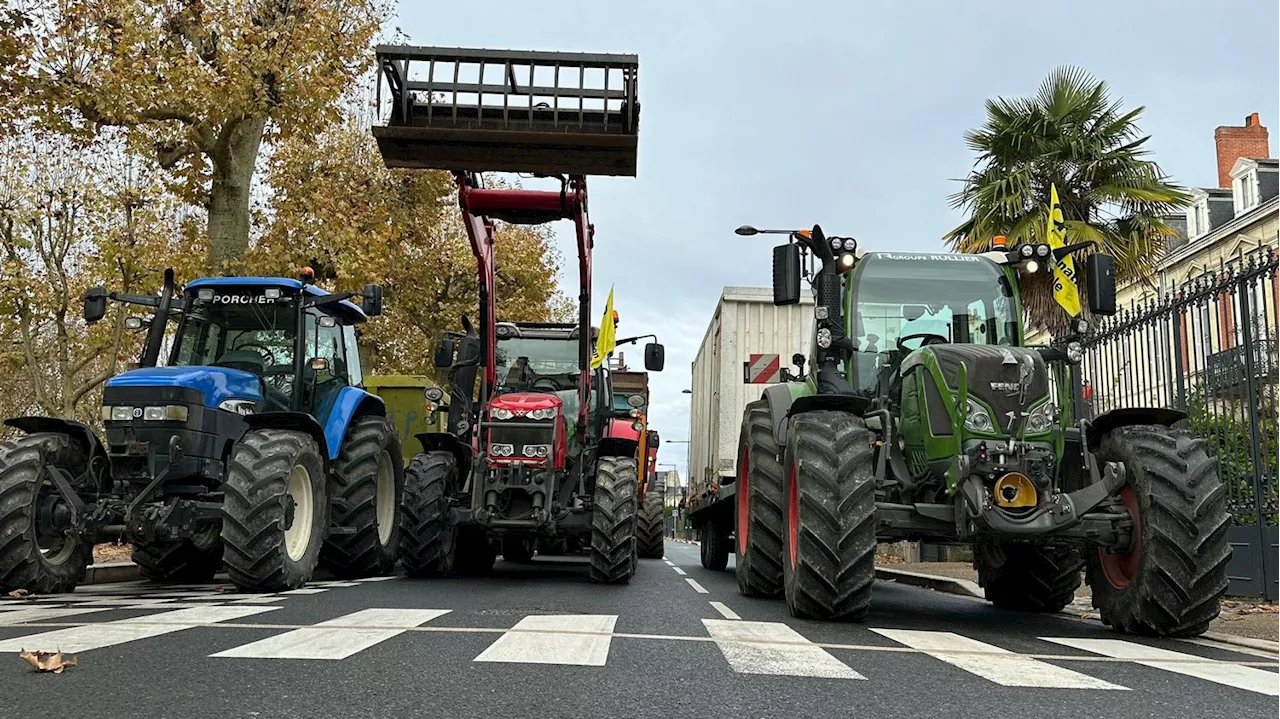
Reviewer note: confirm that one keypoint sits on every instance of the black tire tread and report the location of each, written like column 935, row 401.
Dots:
column 176, row 562
column 714, row 547
column 836, row 537
column 1182, row 569
column 613, row 521
column 649, row 527
column 21, row 564
column 759, row 570
column 353, row 496
column 426, row 539
column 1032, row 578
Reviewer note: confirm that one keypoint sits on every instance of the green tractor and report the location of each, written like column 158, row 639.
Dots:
column 923, row 416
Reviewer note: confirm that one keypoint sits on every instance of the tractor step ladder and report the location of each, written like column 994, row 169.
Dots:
column 550, row 113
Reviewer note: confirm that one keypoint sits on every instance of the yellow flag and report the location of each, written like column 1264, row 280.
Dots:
column 1064, row 270
column 608, row 335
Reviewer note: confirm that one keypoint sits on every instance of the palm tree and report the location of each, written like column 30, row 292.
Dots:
column 1073, row 136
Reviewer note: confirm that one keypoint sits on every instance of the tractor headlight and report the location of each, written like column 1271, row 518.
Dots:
column 501, row 450
column 824, row 338
column 172, row 413
column 1041, row 418
column 1027, row 251
column 1075, row 352
column 271, row 293
column 636, row 400
column 241, row 407
column 500, row 413
column 433, row 394
column 118, row 413
column 976, row 417
column 537, row 450
column 548, row 413
column 1042, row 250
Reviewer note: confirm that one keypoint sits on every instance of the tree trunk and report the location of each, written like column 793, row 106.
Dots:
column 234, row 159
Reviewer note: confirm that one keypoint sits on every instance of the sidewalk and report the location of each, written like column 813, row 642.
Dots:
column 1239, row 617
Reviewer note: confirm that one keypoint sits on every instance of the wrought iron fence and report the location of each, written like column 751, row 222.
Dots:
column 1208, row 349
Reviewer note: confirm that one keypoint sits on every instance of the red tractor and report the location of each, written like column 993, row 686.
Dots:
column 526, row 457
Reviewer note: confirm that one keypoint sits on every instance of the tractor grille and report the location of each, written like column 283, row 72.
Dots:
column 520, row 435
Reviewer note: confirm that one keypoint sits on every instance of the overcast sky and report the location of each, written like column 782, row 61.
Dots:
column 849, row 114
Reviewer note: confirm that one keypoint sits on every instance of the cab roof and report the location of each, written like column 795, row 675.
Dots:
column 346, row 309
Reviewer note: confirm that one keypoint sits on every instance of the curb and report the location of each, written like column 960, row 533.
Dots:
column 109, row 572
column 966, row 588
column 963, row 587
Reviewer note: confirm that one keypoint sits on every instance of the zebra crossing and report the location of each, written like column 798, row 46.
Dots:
column 586, row 640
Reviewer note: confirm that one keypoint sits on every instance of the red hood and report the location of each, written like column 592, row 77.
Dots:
column 521, row 403
column 621, row 428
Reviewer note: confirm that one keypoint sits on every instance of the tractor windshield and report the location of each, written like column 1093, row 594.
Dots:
column 540, row 365
column 254, row 337
column 903, row 301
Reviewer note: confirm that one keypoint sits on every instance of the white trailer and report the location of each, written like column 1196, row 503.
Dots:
column 745, row 323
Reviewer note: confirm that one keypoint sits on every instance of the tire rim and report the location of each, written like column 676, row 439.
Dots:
column 1120, row 569
column 744, row 501
column 385, row 502
column 56, row 549
column 297, row 538
column 793, row 518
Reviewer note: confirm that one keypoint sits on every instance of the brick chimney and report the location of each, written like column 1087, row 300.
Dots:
column 1236, row 142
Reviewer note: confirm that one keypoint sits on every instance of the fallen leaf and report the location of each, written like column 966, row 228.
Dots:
column 46, row 662
column 19, row 593
column 223, row 589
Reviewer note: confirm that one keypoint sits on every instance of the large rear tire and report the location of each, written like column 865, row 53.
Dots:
column 829, row 566
column 275, row 513
column 190, row 561
column 613, row 521
column 760, row 502
column 427, row 538
column 1028, row 578
column 649, row 526
column 29, row 559
column 1172, row 580
column 366, row 490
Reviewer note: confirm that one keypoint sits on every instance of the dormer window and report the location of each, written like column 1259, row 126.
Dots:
column 1245, row 190
column 1198, row 218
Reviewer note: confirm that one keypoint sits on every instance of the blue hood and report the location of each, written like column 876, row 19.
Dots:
column 217, row 384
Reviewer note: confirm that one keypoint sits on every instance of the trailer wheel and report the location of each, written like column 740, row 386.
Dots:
column 427, row 538
column 649, row 526
column 829, row 566
column 1028, row 578
column 613, row 521
column 274, row 512
column 517, row 548
column 1171, row 581
column 760, row 501
column 714, row 546
column 37, row 561
column 190, row 561
column 366, row 489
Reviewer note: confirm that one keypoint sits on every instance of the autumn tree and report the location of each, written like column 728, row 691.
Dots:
column 335, row 201
column 198, row 84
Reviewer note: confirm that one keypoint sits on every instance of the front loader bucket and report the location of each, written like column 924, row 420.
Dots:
column 552, row 113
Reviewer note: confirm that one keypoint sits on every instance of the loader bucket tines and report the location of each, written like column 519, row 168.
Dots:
column 551, row 113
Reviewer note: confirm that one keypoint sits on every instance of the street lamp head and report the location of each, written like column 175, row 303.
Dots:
column 747, row 231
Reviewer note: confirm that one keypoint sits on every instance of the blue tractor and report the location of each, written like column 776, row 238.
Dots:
column 255, row 446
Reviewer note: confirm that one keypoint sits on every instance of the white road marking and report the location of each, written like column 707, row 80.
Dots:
column 37, row 614
column 669, row 562
column 696, row 587
column 679, row 571
column 725, row 611
column 373, row 579
column 1227, row 673
column 124, row 602
column 548, row 646
column 1251, row 651
column 306, row 590
column 106, row 634
column 337, row 638
column 335, row 583
column 993, row 663
column 773, row 648
column 260, row 599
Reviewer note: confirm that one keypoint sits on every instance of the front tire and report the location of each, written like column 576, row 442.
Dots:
column 613, row 521
column 1028, row 578
column 275, row 513
column 366, row 490
column 829, row 565
column 759, row 506
column 1173, row 578
column 427, row 537
column 649, row 526
column 30, row 560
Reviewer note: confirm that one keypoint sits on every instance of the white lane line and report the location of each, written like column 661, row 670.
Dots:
column 1213, row 643
column 335, row 583
column 669, row 562
column 679, row 571
column 36, row 614
column 336, row 638
column 260, row 599
column 307, row 590
column 726, row 612
column 696, row 587
column 546, row 646
column 993, row 663
column 372, row 579
column 1227, row 673
column 748, row 649
column 106, row 634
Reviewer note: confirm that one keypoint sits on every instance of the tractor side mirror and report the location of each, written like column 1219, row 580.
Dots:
column 444, row 353
column 95, row 303
column 786, row 274
column 371, row 300
column 1101, row 278
column 655, row 357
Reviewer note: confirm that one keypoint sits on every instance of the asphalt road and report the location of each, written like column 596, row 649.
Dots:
column 538, row 640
